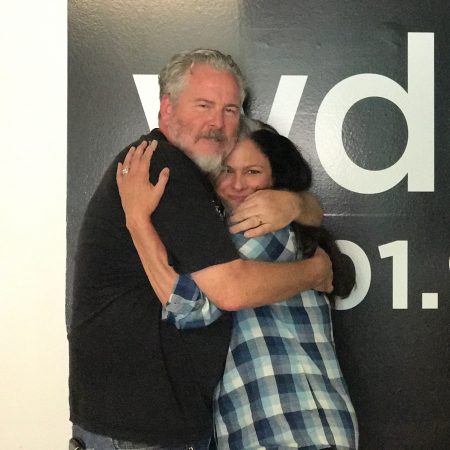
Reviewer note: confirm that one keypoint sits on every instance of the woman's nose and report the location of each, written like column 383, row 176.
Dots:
column 237, row 182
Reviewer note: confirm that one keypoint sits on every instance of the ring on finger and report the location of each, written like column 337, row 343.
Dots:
column 125, row 170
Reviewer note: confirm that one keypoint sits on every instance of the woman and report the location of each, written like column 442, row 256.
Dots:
column 282, row 385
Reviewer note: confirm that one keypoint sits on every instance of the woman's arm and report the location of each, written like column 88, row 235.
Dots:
column 183, row 302
column 269, row 210
column 139, row 199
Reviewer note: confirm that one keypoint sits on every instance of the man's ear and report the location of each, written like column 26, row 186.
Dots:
column 165, row 107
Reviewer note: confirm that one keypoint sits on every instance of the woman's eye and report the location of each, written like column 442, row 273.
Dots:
column 253, row 171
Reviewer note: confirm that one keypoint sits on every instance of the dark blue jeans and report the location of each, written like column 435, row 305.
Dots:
column 95, row 441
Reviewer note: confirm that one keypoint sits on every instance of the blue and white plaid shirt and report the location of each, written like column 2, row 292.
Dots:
column 282, row 387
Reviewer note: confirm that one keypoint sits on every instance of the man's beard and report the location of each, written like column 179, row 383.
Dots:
column 211, row 165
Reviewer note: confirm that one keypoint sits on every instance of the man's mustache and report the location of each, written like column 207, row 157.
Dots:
column 214, row 135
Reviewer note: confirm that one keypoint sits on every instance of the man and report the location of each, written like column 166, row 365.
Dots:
column 133, row 378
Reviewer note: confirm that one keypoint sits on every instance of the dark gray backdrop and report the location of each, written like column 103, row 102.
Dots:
column 396, row 361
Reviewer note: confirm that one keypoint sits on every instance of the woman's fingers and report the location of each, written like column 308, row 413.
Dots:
column 119, row 174
column 127, row 161
column 160, row 186
column 150, row 150
column 147, row 156
column 134, row 156
column 137, row 159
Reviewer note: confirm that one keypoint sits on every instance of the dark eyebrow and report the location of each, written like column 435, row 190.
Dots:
column 245, row 167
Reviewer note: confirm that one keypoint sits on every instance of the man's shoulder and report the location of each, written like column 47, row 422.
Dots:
column 156, row 135
column 167, row 154
column 182, row 169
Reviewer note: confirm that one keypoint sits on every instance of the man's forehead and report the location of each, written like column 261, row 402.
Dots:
column 203, row 76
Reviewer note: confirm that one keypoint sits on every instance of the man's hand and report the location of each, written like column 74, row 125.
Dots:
column 138, row 196
column 269, row 210
column 324, row 282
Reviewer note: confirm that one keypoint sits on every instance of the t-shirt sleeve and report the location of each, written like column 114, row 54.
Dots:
column 187, row 219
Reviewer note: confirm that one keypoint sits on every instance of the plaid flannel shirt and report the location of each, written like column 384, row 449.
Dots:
column 282, row 386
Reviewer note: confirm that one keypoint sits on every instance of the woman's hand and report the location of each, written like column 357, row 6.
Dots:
column 269, row 210
column 139, row 197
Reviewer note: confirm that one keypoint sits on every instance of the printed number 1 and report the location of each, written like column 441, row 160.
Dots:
column 399, row 252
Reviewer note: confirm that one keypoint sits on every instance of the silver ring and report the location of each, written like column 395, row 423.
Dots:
column 124, row 170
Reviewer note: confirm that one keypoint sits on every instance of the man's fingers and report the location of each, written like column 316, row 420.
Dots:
column 326, row 278
column 327, row 287
column 327, row 284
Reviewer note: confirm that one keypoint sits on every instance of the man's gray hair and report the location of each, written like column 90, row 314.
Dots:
column 172, row 78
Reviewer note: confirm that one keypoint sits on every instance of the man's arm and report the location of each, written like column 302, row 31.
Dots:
column 234, row 285
column 270, row 210
column 243, row 284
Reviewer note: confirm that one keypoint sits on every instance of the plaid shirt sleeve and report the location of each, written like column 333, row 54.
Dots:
column 188, row 307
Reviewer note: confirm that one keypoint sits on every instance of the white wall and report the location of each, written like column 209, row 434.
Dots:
column 33, row 345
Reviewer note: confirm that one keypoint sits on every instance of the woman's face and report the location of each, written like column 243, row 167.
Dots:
column 246, row 170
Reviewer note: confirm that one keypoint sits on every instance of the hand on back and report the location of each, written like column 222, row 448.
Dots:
column 139, row 197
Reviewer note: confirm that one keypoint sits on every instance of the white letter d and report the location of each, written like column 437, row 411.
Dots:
column 417, row 105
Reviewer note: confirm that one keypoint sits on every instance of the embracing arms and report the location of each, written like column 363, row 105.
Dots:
column 233, row 285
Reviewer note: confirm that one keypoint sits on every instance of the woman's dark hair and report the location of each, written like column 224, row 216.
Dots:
column 291, row 172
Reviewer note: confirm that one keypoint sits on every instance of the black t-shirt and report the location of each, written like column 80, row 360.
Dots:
column 132, row 376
